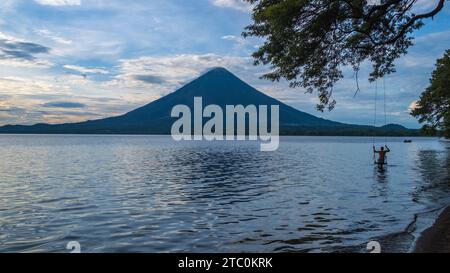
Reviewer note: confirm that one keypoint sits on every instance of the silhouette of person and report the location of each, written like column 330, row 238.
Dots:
column 382, row 156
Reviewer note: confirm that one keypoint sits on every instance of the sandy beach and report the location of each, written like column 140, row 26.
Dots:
column 436, row 239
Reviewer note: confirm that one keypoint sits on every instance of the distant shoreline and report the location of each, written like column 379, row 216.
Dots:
column 331, row 134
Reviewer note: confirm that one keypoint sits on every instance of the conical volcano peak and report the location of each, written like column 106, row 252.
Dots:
column 217, row 86
column 217, row 80
column 218, row 71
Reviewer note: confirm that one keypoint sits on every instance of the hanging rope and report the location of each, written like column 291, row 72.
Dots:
column 375, row 113
column 385, row 115
column 375, row 119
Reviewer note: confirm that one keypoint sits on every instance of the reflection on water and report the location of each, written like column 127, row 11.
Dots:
column 150, row 194
column 434, row 168
column 381, row 174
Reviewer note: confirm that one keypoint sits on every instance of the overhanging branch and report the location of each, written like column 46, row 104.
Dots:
column 413, row 20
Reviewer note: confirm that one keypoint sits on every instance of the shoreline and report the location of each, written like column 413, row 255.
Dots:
column 435, row 239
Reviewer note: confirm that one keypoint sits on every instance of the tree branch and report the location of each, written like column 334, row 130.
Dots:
column 414, row 19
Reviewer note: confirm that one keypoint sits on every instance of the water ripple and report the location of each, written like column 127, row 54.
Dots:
column 150, row 194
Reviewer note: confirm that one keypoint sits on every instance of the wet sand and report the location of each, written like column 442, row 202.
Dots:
column 436, row 239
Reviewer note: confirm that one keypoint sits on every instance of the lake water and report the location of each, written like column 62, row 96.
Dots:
column 151, row 194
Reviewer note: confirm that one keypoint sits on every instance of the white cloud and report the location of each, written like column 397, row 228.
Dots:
column 24, row 95
column 170, row 72
column 240, row 41
column 233, row 4
column 50, row 35
column 425, row 5
column 9, row 37
column 25, row 63
column 412, row 106
column 162, row 29
column 86, row 70
column 11, row 83
column 59, row 2
column 89, row 44
column 417, row 61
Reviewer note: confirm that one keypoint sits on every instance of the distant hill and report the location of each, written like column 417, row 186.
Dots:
column 217, row 86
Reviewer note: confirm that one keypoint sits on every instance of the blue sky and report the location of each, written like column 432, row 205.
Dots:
column 74, row 60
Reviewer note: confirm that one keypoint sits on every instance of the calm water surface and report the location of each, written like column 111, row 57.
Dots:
column 151, row 194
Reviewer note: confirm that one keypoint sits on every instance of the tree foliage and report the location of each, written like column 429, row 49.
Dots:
column 308, row 42
column 433, row 107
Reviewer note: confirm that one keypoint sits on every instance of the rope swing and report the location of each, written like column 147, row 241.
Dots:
column 375, row 116
column 375, row 120
column 384, row 106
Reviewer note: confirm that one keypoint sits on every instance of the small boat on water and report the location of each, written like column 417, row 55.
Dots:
column 407, row 141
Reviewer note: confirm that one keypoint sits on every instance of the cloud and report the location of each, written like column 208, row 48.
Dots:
column 412, row 106
column 90, row 43
column 85, row 70
column 424, row 5
column 149, row 79
column 14, row 86
column 10, row 109
column 59, row 2
column 411, row 61
column 24, row 53
column 20, row 63
column 31, row 90
column 18, row 115
column 233, row 4
column 240, row 41
column 21, row 50
column 173, row 71
column 145, row 57
column 63, row 104
column 50, row 35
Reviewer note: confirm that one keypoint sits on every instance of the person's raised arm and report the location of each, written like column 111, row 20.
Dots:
column 387, row 149
column 374, row 150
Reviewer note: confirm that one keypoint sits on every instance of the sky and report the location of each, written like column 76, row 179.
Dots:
column 76, row 60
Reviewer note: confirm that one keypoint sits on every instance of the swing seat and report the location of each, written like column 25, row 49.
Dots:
column 377, row 162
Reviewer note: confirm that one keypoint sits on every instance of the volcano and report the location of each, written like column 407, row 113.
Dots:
column 217, row 86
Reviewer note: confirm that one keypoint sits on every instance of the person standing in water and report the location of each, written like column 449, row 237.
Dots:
column 382, row 155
